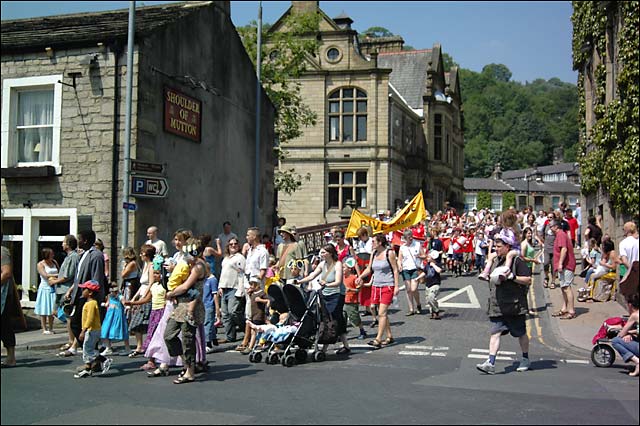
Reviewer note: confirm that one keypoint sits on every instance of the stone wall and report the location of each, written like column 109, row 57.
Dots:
column 86, row 134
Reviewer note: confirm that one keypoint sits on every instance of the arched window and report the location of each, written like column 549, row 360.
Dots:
column 348, row 115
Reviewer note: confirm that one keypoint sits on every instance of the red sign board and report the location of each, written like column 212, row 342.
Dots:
column 182, row 114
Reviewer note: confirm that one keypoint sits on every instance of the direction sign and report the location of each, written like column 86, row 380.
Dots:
column 149, row 186
column 129, row 206
column 146, row 167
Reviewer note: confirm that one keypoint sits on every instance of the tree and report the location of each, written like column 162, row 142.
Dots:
column 484, row 200
column 448, row 62
column 283, row 61
column 498, row 72
column 376, row 32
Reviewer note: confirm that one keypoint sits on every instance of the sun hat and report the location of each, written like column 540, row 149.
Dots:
column 288, row 230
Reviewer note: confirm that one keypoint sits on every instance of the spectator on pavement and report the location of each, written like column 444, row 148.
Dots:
column 573, row 225
column 548, row 237
column 46, row 298
column 628, row 247
column 577, row 213
column 626, row 343
column 593, row 230
column 161, row 246
column 508, row 306
column 107, row 262
column 564, row 266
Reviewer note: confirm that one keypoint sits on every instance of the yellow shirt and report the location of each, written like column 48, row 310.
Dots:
column 91, row 316
column 178, row 276
column 157, row 296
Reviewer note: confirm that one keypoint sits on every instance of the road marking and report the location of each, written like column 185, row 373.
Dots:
column 486, row 351
column 418, row 347
column 438, row 354
column 575, row 361
column 499, row 358
column 441, row 348
column 417, row 353
column 472, row 304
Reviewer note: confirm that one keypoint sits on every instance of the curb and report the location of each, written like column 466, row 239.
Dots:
column 555, row 327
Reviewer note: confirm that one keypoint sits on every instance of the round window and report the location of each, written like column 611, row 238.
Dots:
column 333, row 54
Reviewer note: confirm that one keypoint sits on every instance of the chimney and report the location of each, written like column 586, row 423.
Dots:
column 343, row 21
column 558, row 155
column 305, row 6
column 497, row 172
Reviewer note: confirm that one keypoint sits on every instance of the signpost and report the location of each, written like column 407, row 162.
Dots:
column 129, row 206
column 148, row 186
column 146, row 167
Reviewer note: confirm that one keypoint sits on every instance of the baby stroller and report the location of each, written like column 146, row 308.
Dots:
column 295, row 343
column 603, row 354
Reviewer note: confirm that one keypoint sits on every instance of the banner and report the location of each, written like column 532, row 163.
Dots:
column 410, row 215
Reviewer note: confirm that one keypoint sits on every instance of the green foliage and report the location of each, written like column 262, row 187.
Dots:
column 376, row 32
column 484, row 200
column 498, row 72
column 608, row 156
column 283, row 60
column 508, row 200
column 515, row 124
column 448, row 62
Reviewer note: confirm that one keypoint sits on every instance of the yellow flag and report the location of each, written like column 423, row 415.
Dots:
column 410, row 215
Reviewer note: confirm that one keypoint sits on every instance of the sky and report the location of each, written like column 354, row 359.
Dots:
column 533, row 39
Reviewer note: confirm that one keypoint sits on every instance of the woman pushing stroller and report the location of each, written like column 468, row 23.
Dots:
column 333, row 291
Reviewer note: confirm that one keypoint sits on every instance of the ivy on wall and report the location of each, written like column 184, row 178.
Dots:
column 484, row 200
column 508, row 200
column 609, row 157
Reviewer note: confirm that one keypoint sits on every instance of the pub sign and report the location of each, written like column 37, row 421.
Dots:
column 182, row 114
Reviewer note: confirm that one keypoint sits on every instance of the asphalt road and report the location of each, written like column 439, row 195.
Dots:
column 427, row 376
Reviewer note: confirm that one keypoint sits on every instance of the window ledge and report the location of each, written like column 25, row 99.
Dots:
column 29, row 172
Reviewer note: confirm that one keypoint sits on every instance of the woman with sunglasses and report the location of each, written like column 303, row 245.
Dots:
column 333, row 291
column 230, row 288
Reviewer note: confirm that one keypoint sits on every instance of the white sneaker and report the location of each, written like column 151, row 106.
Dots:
column 106, row 352
column 48, row 332
column 486, row 367
column 81, row 374
column 106, row 365
column 524, row 365
column 210, row 349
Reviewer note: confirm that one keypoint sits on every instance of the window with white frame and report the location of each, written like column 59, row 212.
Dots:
column 496, row 202
column 31, row 117
column 348, row 115
column 470, row 202
column 555, row 202
column 347, row 185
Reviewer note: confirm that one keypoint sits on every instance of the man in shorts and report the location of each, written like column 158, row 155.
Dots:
column 564, row 265
column 507, row 305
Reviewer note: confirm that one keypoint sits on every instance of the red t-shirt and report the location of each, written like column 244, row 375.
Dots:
column 562, row 240
column 350, row 282
column 418, row 232
column 573, row 227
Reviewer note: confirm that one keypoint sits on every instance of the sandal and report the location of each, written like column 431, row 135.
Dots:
column 545, row 284
column 559, row 313
column 135, row 354
column 343, row 351
column 65, row 346
column 67, row 353
column 568, row 316
column 240, row 348
column 182, row 379
column 387, row 341
column 552, row 286
column 375, row 343
column 158, row 372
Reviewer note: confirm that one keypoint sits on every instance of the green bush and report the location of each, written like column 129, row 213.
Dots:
column 484, row 200
column 508, row 200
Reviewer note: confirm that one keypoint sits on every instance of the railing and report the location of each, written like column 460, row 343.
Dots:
column 313, row 236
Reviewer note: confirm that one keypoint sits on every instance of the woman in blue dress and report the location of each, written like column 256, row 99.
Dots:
column 46, row 298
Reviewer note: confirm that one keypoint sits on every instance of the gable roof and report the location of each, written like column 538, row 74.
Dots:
column 486, row 184
column 81, row 29
column 554, row 168
column 409, row 73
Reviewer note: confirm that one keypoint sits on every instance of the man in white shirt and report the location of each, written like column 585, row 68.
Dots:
column 628, row 247
column 255, row 266
column 226, row 235
column 161, row 246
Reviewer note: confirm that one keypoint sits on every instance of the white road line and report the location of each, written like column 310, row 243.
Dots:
column 441, row 348
column 438, row 354
column 575, row 361
column 418, row 347
column 500, row 358
column 486, row 351
column 418, row 353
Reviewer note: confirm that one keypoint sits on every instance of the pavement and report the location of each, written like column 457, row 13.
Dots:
column 576, row 332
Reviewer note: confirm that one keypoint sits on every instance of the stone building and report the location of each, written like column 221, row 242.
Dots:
column 543, row 188
column 193, row 114
column 389, row 125
column 599, row 74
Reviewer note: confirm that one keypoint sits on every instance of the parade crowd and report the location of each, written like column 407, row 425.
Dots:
column 174, row 304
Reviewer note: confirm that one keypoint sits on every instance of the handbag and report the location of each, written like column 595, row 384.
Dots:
column 61, row 315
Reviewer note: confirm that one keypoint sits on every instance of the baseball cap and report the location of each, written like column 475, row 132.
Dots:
column 328, row 235
column 91, row 285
